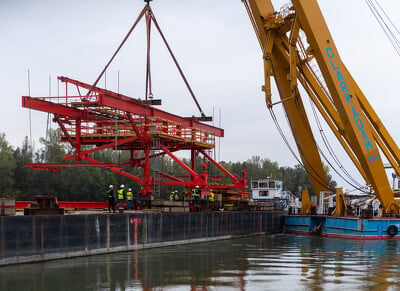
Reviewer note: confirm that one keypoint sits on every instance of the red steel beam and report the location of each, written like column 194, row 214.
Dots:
column 218, row 166
column 145, row 110
column 45, row 106
column 64, row 165
column 128, row 104
column 64, row 130
column 67, row 204
column 109, row 145
column 135, row 129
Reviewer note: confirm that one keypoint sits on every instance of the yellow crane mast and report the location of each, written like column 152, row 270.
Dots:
column 298, row 48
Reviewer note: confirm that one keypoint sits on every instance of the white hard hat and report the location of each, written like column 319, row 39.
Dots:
column 122, row 186
column 176, row 191
column 197, row 186
column 111, row 186
column 130, row 189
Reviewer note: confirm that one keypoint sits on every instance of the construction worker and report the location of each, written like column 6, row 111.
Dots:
column 196, row 195
column 121, row 196
column 173, row 196
column 176, row 195
column 129, row 198
column 110, row 197
column 211, row 199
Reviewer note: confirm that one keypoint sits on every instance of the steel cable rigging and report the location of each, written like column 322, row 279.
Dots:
column 328, row 146
column 354, row 183
column 320, row 180
column 385, row 23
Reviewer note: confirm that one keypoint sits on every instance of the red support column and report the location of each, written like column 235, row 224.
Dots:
column 193, row 155
column 78, row 139
column 148, row 190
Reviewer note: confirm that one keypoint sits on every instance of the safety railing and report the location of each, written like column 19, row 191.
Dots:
column 109, row 129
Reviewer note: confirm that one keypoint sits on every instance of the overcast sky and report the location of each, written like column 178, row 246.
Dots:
column 215, row 45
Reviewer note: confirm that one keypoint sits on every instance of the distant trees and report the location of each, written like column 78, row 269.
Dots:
column 90, row 183
column 7, row 165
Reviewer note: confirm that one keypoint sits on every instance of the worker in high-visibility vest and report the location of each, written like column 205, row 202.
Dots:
column 173, row 196
column 211, row 199
column 129, row 198
column 121, row 196
column 196, row 195
column 110, row 197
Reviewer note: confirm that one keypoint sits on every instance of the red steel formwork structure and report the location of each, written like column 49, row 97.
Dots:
column 95, row 118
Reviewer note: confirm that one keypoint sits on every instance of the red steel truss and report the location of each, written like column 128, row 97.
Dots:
column 103, row 119
column 94, row 119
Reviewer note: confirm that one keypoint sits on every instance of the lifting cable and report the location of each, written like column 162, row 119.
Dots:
column 330, row 149
column 354, row 183
column 118, row 49
column 253, row 21
column 316, row 176
column 320, row 180
column 326, row 142
column 149, row 15
column 149, row 93
column 177, row 64
column 387, row 25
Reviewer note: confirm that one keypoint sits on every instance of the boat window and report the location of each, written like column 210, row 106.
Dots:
column 263, row 185
column 272, row 184
column 263, row 193
column 254, row 184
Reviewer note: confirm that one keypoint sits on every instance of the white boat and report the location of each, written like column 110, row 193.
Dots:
column 272, row 190
column 266, row 189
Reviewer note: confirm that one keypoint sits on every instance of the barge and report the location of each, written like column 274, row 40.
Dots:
column 343, row 227
column 360, row 218
column 36, row 238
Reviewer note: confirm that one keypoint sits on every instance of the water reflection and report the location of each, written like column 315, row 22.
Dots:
column 272, row 262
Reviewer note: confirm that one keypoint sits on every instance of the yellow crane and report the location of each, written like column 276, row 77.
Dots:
column 297, row 48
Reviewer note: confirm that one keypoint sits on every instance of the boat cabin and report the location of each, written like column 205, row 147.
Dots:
column 266, row 189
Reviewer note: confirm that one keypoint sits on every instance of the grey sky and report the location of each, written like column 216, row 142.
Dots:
column 212, row 40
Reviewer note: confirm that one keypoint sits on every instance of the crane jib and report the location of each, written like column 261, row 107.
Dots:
column 356, row 116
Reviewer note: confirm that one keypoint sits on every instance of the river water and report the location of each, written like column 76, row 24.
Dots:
column 269, row 262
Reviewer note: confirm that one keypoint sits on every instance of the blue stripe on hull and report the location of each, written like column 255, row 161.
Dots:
column 341, row 227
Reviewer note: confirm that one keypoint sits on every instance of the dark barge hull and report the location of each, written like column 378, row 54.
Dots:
column 26, row 239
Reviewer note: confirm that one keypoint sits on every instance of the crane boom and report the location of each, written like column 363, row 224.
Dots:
column 335, row 93
column 272, row 44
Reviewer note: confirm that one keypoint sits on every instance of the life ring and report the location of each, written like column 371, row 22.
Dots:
column 392, row 230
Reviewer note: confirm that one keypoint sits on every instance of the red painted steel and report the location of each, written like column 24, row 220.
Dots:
column 102, row 119
column 67, row 204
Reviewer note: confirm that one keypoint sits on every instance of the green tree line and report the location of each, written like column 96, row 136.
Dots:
column 90, row 183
